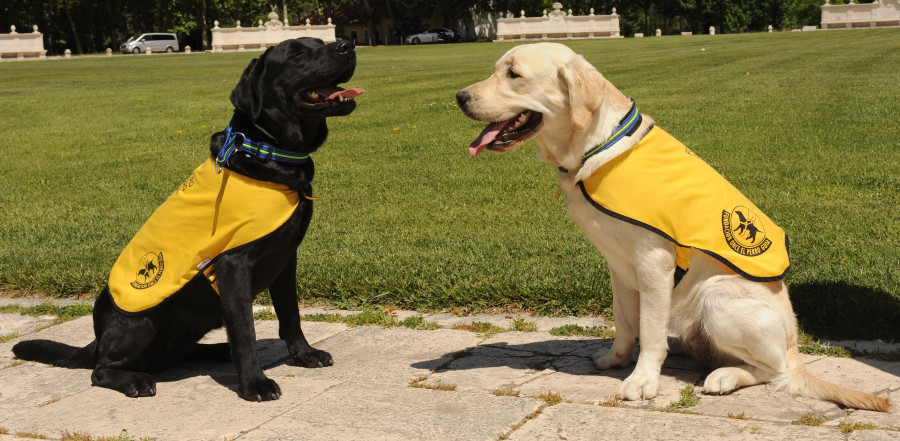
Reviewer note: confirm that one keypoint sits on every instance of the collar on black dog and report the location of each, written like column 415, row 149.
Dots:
column 257, row 149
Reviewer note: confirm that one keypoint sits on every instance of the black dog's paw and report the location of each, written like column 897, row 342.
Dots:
column 260, row 389
column 313, row 358
column 140, row 385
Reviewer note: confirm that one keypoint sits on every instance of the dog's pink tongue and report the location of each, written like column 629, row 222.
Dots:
column 487, row 136
column 334, row 92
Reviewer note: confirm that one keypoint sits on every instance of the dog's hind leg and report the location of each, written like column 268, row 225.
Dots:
column 725, row 380
column 284, row 298
column 743, row 321
column 122, row 349
column 132, row 384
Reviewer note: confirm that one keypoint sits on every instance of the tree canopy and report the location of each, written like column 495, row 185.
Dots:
column 89, row 26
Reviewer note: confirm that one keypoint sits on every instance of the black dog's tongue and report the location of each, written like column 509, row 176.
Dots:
column 334, row 92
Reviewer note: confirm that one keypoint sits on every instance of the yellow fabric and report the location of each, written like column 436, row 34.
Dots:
column 208, row 214
column 661, row 185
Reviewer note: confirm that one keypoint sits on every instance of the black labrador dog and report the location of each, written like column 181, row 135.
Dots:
column 281, row 104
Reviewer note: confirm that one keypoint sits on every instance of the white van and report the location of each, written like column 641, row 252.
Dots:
column 157, row 42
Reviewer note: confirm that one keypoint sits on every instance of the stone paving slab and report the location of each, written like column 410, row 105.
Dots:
column 575, row 422
column 392, row 383
column 367, row 411
column 22, row 324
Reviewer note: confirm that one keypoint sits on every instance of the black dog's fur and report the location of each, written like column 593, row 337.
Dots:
column 268, row 108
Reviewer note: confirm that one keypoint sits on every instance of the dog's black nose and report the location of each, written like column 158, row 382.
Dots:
column 462, row 98
column 344, row 46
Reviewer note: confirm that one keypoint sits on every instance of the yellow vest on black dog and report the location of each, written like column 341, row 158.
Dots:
column 209, row 214
column 661, row 185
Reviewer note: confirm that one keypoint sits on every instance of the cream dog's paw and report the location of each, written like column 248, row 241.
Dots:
column 612, row 359
column 639, row 386
column 725, row 380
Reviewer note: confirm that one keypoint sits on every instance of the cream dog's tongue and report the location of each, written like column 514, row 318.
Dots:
column 488, row 135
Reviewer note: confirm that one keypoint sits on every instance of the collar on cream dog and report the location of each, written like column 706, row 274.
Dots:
column 626, row 127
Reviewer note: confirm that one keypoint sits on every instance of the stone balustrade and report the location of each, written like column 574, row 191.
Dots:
column 558, row 25
column 881, row 13
column 19, row 46
column 266, row 34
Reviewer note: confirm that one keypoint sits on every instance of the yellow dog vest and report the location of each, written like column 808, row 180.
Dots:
column 661, row 185
column 208, row 215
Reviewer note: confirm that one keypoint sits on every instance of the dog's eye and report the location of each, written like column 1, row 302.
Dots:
column 512, row 74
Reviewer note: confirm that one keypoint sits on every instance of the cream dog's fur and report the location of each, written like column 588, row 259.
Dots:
column 746, row 329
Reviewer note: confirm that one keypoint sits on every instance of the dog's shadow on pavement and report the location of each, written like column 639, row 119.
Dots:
column 272, row 353
column 572, row 357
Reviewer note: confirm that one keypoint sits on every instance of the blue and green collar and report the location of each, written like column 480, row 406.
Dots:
column 626, row 127
column 257, row 149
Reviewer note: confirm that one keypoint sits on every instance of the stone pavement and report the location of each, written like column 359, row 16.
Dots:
column 403, row 384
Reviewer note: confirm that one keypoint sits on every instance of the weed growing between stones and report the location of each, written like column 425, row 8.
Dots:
column 810, row 419
column 506, row 392
column 688, row 399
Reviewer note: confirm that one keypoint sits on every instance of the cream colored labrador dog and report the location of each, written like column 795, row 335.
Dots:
column 705, row 268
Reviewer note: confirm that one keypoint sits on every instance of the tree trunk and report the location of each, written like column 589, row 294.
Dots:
column 114, row 36
column 390, row 10
column 204, row 38
column 370, row 19
column 74, row 31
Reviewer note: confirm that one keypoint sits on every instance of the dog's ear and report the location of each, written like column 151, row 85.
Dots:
column 586, row 90
column 246, row 95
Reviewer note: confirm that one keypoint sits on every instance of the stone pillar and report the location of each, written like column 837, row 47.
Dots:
column 108, row 52
column 68, row 53
column 712, row 30
column 770, row 29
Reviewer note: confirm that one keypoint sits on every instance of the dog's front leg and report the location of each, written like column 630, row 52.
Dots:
column 284, row 298
column 626, row 315
column 655, row 270
column 234, row 281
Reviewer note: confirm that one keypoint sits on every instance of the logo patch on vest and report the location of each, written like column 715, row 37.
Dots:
column 744, row 231
column 149, row 270
column 188, row 183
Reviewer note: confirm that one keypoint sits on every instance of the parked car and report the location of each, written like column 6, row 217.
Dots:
column 156, row 41
column 434, row 35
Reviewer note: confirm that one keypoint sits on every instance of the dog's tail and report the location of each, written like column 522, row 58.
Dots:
column 57, row 354
column 796, row 380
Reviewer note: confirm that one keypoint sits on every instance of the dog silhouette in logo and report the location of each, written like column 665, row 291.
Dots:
column 746, row 226
column 147, row 271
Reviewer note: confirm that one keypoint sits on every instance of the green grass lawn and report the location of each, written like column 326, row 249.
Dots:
column 805, row 124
